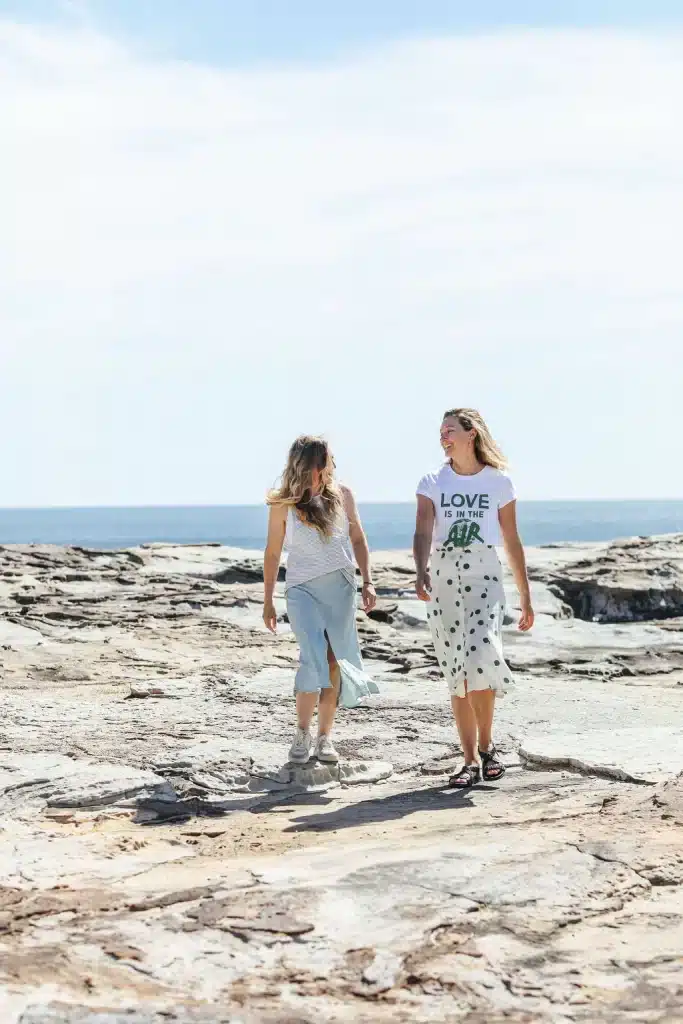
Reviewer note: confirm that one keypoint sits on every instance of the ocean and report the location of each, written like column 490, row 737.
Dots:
column 388, row 526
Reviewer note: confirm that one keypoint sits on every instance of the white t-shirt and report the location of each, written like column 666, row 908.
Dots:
column 466, row 507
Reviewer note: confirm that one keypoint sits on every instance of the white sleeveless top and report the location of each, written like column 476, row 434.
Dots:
column 310, row 555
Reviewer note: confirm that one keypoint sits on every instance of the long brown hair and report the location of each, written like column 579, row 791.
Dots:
column 321, row 510
column 485, row 448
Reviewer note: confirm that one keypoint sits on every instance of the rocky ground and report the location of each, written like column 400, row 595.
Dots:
column 160, row 862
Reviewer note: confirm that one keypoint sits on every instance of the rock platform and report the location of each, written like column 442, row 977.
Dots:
column 161, row 863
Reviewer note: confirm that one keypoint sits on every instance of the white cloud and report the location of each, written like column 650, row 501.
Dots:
column 196, row 263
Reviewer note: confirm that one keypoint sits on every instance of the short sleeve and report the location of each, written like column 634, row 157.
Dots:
column 506, row 492
column 426, row 486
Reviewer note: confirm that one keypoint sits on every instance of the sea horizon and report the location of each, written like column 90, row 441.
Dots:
column 389, row 525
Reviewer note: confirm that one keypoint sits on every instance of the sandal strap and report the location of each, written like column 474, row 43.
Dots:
column 470, row 772
column 490, row 761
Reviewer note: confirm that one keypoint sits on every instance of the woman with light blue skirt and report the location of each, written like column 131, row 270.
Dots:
column 317, row 520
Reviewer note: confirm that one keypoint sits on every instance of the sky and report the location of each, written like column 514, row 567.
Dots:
column 223, row 224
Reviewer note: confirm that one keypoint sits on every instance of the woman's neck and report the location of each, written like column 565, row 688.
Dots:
column 466, row 467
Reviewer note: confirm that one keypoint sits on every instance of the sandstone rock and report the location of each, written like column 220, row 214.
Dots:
column 384, row 611
column 635, row 580
column 64, row 1014
column 634, row 755
column 61, row 782
column 363, row 772
column 363, row 891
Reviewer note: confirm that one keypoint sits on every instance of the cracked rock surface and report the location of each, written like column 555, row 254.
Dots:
column 161, row 862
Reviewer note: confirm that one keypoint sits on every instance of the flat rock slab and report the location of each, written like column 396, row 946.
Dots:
column 84, row 1015
column 632, row 755
column 53, row 780
column 12, row 635
column 389, row 898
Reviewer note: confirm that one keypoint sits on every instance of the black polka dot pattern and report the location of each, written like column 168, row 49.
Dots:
column 470, row 598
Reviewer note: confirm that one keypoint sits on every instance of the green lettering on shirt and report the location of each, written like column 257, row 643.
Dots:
column 463, row 533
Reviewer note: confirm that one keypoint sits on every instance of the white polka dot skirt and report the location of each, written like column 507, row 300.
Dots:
column 466, row 618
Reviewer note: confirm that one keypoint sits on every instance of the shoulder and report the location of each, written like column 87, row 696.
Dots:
column 277, row 511
column 504, row 487
column 500, row 476
column 348, row 500
column 430, row 480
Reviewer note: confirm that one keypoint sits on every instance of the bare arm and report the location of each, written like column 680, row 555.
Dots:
column 360, row 547
column 277, row 522
column 507, row 517
column 422, row 543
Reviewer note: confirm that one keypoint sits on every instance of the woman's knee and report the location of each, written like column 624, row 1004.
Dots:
column 305, row 694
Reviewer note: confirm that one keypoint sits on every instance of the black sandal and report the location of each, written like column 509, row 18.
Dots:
column 492, row 768
column 468, row 775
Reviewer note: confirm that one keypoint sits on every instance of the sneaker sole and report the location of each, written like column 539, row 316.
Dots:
column 299, row 760
column 327, row 760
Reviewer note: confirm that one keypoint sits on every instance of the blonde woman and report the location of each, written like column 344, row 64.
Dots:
column 462, row 509
column 318, row 521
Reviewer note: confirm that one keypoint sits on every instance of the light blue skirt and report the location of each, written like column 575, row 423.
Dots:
column 323, row 609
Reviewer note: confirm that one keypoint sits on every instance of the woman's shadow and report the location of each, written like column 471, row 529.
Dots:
column 378, row 809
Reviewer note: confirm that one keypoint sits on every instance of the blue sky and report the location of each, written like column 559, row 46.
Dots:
column 228, row 223
column 239, row 32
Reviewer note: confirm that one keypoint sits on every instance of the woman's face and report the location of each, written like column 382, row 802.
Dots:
column 455, row 440
column 321, row 478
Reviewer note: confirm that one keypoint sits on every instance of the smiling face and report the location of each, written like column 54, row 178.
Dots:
column 457, row 443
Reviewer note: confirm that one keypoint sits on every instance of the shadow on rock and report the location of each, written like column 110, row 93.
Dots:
column 167, row 812
column 390, row 808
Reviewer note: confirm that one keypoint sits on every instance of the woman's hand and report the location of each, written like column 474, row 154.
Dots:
column 270, row 616
column 369, row 597
column 507, row 517
column 526, row 619
column 423, row 586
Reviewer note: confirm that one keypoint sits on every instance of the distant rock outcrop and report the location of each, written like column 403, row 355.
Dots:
column 635, row 580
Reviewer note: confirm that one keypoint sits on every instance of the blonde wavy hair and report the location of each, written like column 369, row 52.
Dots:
column 485, row 448
column 321, row 510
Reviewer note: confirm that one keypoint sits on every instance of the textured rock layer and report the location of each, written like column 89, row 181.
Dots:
column 161, row 862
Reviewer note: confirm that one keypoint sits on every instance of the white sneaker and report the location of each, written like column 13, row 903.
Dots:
column 300, row 749
column 325, row 750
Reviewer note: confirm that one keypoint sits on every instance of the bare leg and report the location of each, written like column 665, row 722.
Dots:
column 327, row 708
column 467, row 727
column 483, row 703
column 305, row 706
